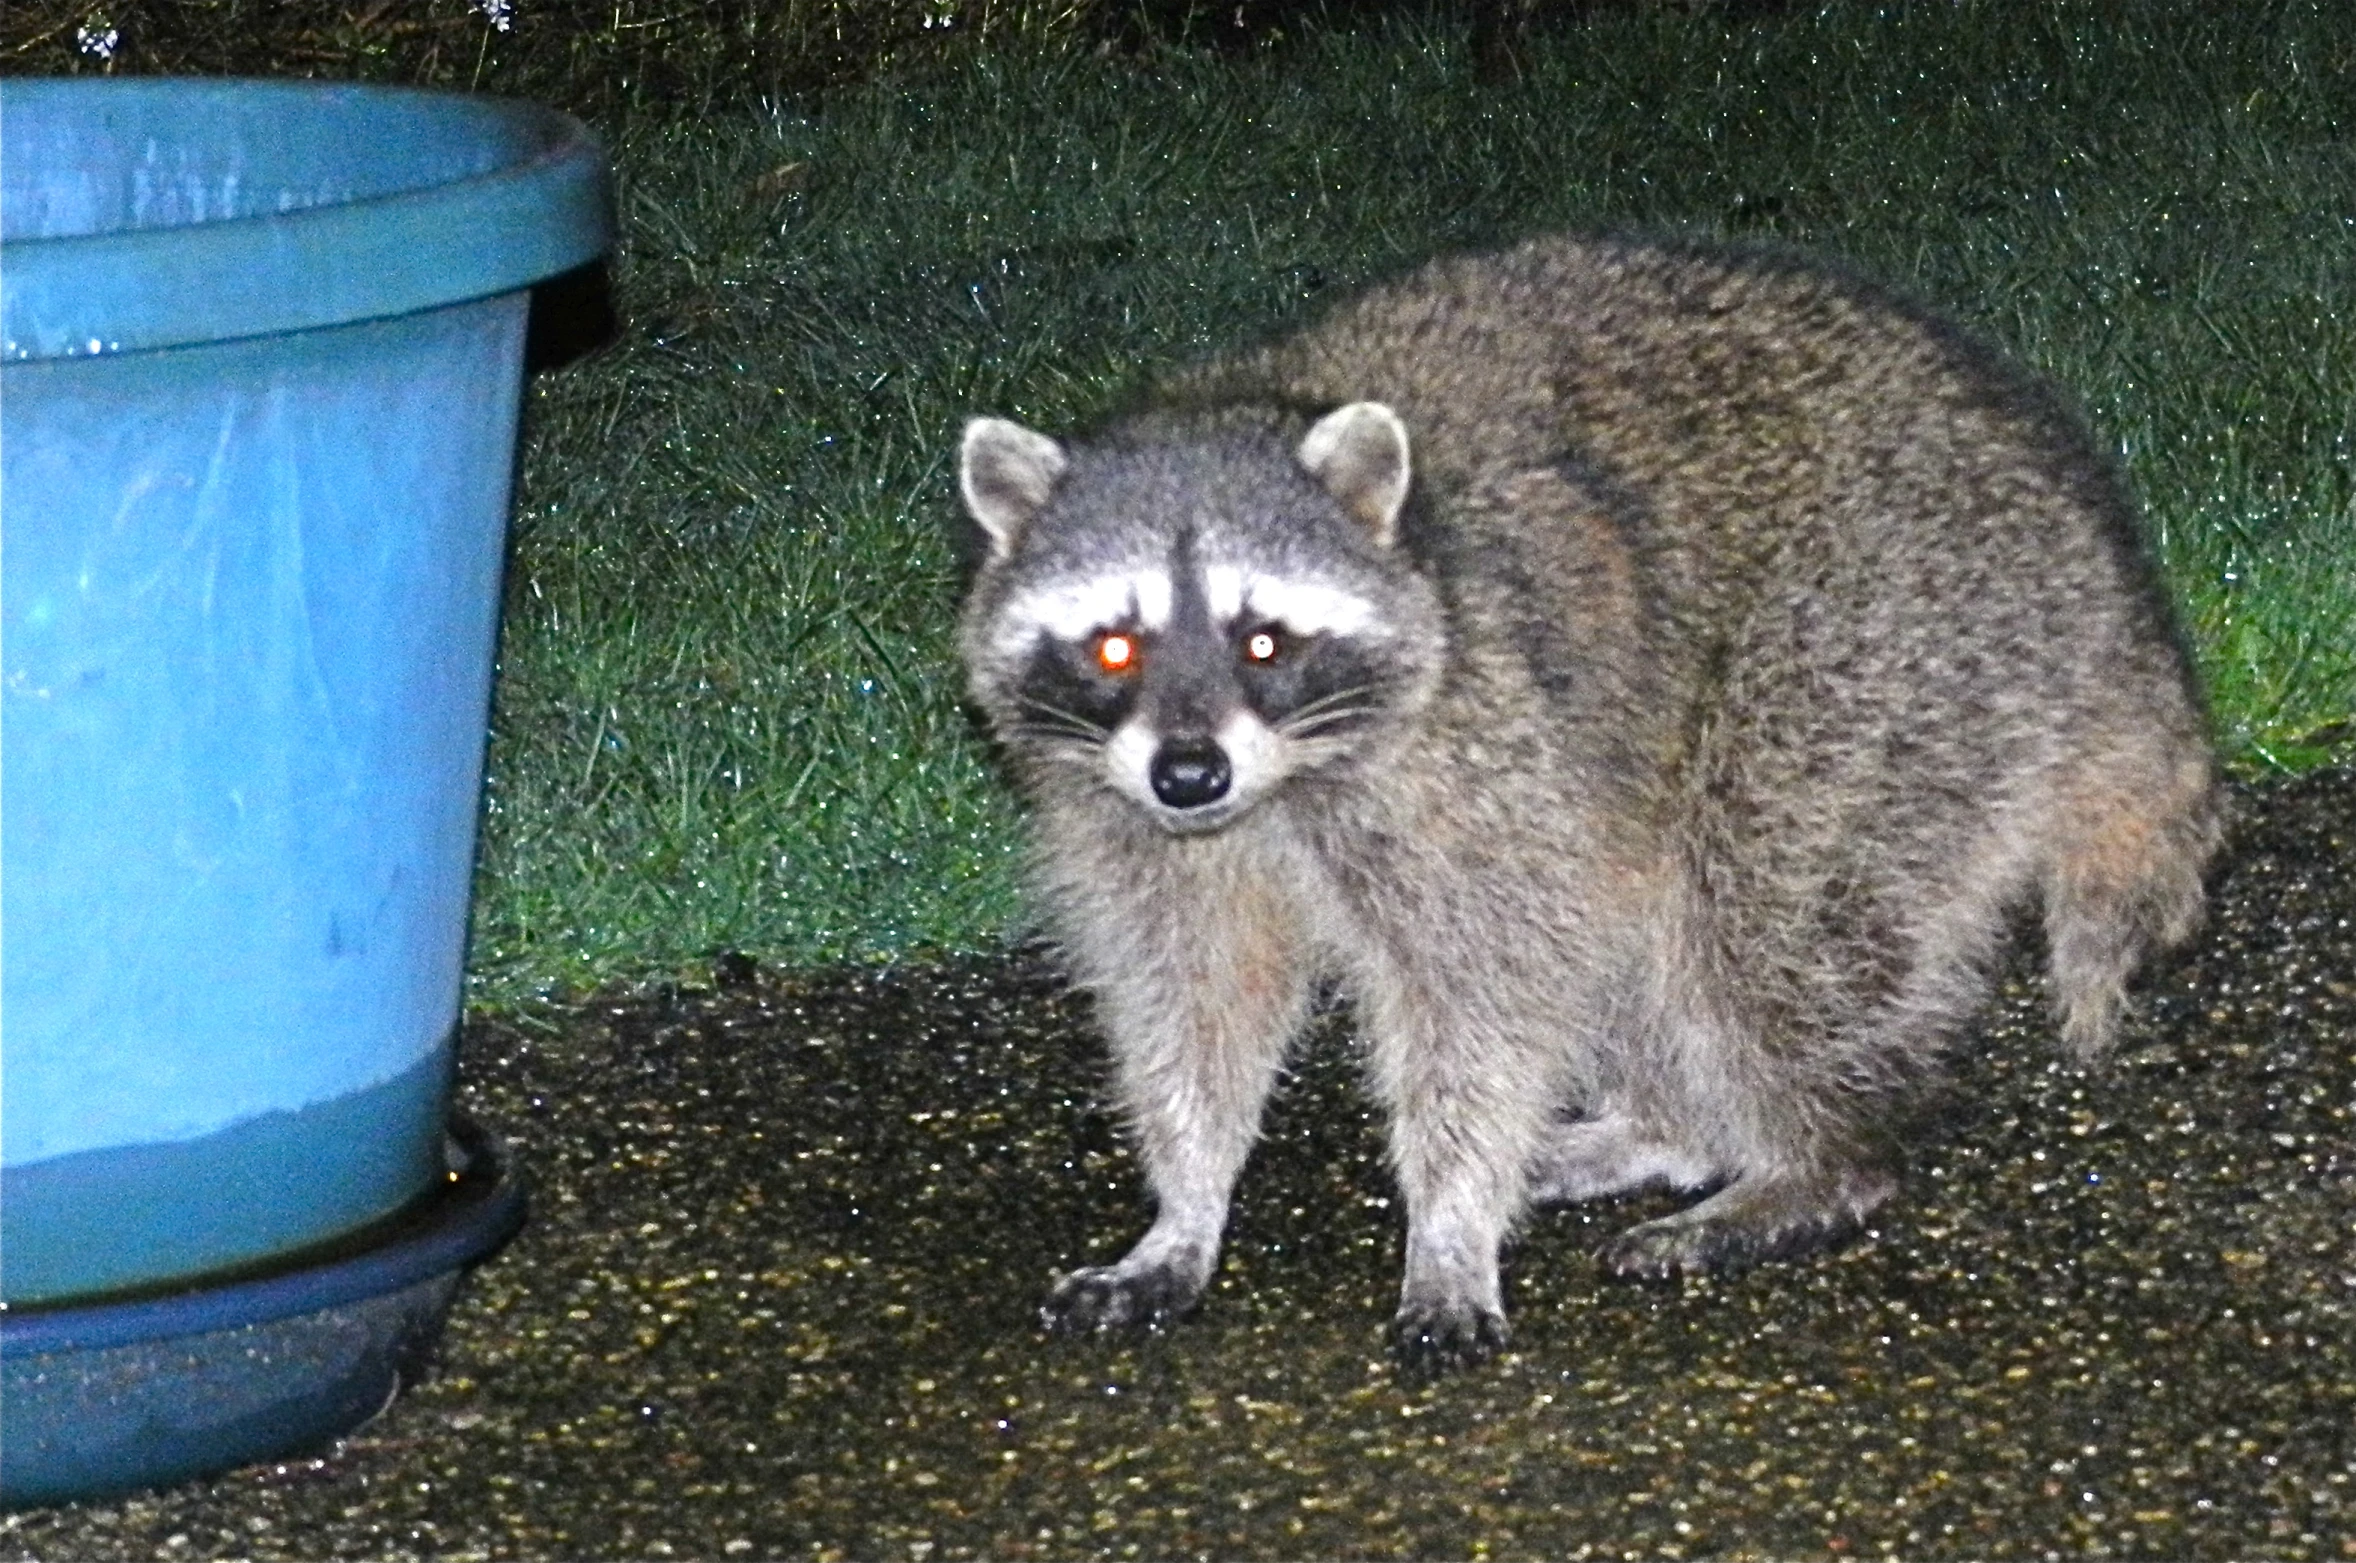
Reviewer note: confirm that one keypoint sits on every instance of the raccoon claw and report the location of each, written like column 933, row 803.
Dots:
column 1105, row 1297
column 1430, row 1340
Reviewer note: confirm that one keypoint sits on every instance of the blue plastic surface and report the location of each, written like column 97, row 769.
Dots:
column 106, row 1398
column 250, row 556
column 259, row 1186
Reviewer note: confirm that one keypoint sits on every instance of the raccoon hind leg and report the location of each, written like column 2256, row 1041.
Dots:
column 1756, row 1218
column 1770, row 1084
column 1607, row 1153
column 2124, row 882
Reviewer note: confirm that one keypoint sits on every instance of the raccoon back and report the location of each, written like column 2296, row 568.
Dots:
column 1769, row 426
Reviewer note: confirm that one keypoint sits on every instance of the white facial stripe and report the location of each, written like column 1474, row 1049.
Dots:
column 1153, row 598
column 1071, row 611
column 1304, row 607
column 1076, row 609
column 1223, row 586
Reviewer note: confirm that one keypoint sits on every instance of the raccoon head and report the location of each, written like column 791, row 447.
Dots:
column 1192, row 614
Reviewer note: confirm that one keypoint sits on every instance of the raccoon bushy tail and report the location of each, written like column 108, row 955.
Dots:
column 2124, row 886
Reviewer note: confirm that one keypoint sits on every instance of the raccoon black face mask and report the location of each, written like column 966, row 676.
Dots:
column 1645, row 678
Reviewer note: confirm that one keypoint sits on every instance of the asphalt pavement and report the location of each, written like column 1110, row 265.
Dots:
column 778, row 1299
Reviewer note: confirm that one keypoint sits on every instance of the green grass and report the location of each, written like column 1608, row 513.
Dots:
column 588, row 56
column 729, row 715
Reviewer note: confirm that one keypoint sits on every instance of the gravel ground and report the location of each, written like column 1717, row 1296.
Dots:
column 778, row 1299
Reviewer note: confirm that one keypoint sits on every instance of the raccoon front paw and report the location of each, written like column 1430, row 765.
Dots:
column 1109, row 1297
column 1433, row 1338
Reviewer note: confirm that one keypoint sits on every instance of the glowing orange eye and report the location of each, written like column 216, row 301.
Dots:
column 1115, row 653
column 1261, row 646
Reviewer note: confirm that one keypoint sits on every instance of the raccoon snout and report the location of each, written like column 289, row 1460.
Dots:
column 1189, row 772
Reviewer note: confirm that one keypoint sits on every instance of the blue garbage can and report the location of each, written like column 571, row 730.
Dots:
column 260, row 356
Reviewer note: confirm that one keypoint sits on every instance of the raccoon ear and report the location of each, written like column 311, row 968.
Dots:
column 1359, row 453
column 1005, row 473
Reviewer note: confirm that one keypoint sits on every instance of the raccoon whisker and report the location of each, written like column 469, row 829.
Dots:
column 1042, row 732
column 1053, row 729
column 1051, row 721
column 1354, row 694
column 1331, row 710
column 1324, row 721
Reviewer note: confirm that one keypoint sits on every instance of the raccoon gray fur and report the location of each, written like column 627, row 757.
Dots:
column 1645, row 677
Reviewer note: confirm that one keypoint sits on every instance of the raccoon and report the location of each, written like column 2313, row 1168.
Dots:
column 1644, row 678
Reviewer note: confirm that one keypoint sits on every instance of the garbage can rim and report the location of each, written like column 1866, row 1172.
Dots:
column 543, row 208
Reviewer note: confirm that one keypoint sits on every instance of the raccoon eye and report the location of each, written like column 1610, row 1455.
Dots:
column 1116, row 653
column 1261, row 646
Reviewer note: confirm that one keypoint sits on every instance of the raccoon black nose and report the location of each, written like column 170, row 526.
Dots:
column 1188, row 773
